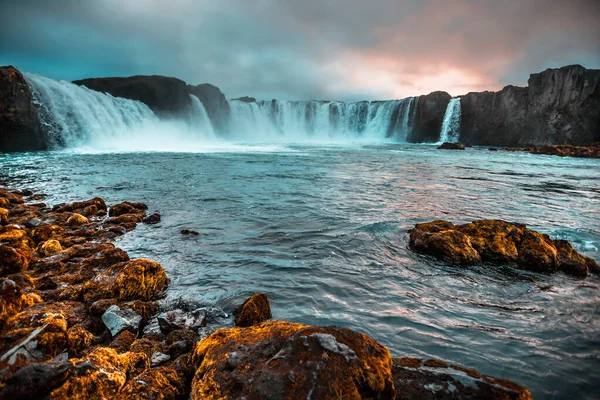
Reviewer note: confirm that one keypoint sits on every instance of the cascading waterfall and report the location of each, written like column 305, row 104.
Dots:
column 77, row 117
column 73, row 114
column 198, row 120
column 451, row 124
column 321, row 120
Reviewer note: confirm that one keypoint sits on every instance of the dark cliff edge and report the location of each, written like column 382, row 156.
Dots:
column 20, row 128
column 429, row 117
column 560, row 106
column 215, row 104
column 166, row 97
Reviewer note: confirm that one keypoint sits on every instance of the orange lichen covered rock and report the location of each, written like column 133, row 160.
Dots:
column 13, row 260
column 435, row 379
column 76, row 220
column 3, row 216
column 444, row 242
column 126, row 207
column 160, row 383
column 15, row 237
column 132, row 280
column 100, row 375
column 499, row 242
column 254, row 311
column 49, row 247
column 46, row 232
column 285, row 360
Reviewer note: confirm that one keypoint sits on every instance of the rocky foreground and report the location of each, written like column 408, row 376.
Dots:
column 80, row 320
column 498, row 242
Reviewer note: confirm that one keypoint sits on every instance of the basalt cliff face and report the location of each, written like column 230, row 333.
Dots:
column 428, row 120
column 560, row 106
column 20, row 128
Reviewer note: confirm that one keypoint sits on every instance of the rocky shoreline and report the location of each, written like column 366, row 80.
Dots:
column 79, row 319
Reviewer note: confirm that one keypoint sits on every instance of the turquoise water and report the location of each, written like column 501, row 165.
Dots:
column 323, row 231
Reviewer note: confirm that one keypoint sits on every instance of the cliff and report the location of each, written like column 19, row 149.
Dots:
column 494, row 118
column 167, row 97
column 429, row 117
column 560, row 106
column 20, row 128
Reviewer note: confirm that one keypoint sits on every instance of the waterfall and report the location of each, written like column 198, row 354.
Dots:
column 451, row 124
column 198, row 120
column 77, row 117
column 75, row 114
column 321, row 120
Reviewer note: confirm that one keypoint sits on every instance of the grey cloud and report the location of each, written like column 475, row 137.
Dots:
column 303, row 49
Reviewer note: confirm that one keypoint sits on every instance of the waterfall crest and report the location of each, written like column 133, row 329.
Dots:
column 451, row 124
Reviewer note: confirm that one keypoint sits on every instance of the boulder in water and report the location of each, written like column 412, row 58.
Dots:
column 499, row 242
column 435, row 379
column 253, row 311
column 451, row 146
column 152, row 219
column 246, row 99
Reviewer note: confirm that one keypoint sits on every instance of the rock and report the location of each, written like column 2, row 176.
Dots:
column 500, row 243
column 127, row 207
column 158, row 358
column 216, row 105
column 167, row 97
column 434, row 379
column 152, row 219
column 117, row 320
column 560, row 106
column 76, row 220
column 440, row 239
column 157, row 383
column 3, row 216
column 493, row 149
column 179, row 319
column 34, row 223
column 592, row 151
column 13, row 260
column 20, row 128
column 245, row 99
column 429, row 116
column 49, row 247
column 36, row 380
column 101, row 375
column 43, row 233
column 451, row 146
column 132, row 280
column 276, row 360
column 254, row 311
column 189, row 232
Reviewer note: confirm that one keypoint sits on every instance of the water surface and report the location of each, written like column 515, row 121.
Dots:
column 323, row 231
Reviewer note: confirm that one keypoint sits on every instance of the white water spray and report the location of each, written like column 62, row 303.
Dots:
column 451, row 124
column 302, row 121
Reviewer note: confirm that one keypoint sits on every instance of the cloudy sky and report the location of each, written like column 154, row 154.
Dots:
column 304, row 49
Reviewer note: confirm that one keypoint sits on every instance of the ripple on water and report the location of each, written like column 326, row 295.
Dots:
column 323, row 231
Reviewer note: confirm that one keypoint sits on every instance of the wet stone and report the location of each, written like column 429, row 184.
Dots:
column 117, row 320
